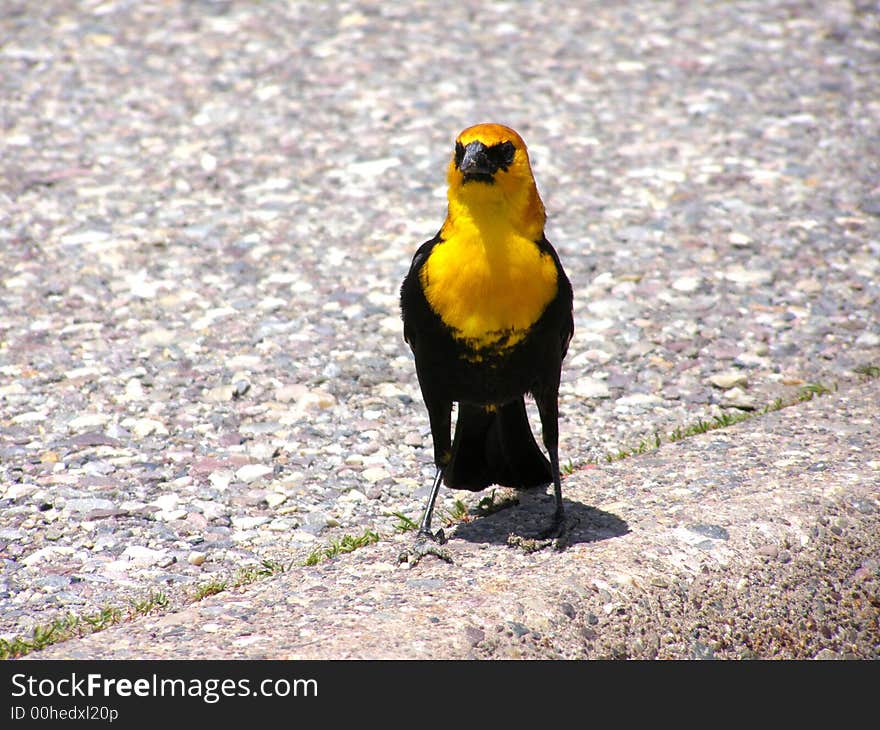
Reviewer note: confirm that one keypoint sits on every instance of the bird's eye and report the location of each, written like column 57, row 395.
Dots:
column 501, row 154
column 459, row 153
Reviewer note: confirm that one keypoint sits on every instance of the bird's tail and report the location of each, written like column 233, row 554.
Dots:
column 495, row 446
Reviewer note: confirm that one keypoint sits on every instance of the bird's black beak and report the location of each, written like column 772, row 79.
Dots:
column 480, row 163
column 476, row 161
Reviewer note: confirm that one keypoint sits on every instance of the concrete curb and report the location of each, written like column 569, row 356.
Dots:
column 758, row 540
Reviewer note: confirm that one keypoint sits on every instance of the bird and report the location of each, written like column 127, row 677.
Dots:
column 487, row 311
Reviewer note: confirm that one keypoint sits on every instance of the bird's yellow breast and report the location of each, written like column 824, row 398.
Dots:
column 489, row 291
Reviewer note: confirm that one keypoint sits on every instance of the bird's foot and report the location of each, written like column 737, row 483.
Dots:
column 557, row 528
column 553, row 536
column 426, row 543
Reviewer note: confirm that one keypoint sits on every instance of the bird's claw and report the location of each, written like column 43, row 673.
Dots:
column 553, row 536
column 555, row 530
column 427, row 543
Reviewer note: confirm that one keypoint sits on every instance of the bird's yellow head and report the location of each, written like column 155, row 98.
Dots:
column 490, row 179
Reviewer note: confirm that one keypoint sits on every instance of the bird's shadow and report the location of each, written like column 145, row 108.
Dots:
column 529, row 514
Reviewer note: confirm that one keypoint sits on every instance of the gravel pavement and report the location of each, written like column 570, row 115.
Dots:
column 206, row 209
column 772, row 552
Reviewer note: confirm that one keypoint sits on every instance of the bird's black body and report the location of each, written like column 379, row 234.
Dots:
column 492, row 445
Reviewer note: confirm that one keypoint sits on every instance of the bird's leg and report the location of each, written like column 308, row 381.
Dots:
column 427, row 542
column 425, row 526
column 440, row 415
column 554, row 534
column 548, row 409
column 556, row 528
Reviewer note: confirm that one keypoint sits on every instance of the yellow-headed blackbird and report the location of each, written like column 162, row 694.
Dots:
column 487, row 311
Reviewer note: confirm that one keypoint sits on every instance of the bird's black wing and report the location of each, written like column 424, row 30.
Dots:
column 564, row 297
column 412, row 298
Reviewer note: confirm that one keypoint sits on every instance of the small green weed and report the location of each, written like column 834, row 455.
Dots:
column 156, row 599
column 679, row 433
column 870, row 371
column 210, row 588
column 489, row 505
column 457, row 513
column 71, row 625
column 346, row 544
column 267, row 568
column 404, row 524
